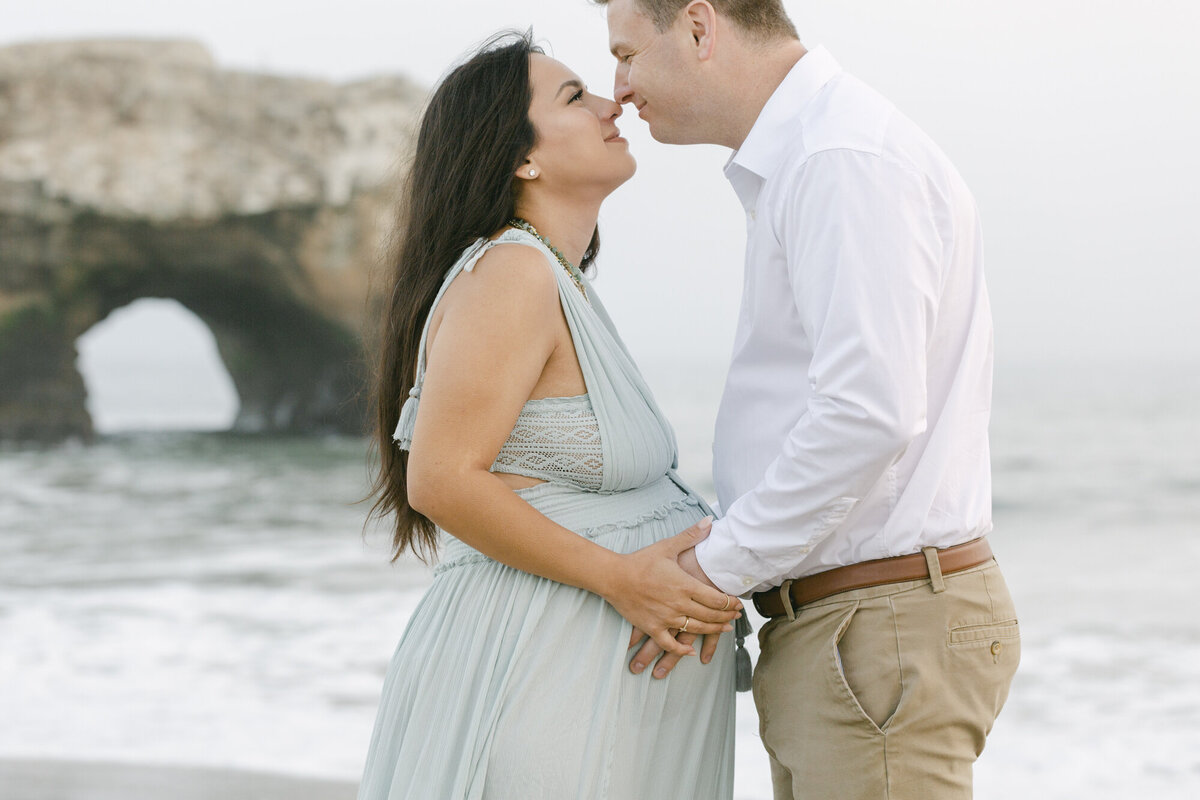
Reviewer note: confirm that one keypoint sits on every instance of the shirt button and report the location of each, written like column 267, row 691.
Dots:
column 747, row 581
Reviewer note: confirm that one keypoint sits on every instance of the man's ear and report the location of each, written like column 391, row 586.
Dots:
column 701, row 20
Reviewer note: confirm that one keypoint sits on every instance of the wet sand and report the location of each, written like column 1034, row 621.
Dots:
column 71, row 780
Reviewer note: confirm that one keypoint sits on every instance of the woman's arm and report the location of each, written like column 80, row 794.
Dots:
column 500, row 325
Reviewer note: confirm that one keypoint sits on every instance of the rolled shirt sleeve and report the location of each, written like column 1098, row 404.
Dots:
column 863, row 254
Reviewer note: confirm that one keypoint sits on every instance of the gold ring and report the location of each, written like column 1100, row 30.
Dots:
column 686, row 620
column 728, row 600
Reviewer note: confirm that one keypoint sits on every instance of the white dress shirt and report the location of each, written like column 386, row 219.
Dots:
column 854, row 420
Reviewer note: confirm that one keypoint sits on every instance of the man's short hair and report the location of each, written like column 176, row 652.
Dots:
column 763, row 19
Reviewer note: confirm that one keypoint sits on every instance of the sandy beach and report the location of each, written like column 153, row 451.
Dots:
column 72, row 780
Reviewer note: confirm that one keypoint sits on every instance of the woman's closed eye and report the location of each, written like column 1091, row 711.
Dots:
column 577, row 96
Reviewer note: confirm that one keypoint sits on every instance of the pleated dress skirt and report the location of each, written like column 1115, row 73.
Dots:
column 507, row 686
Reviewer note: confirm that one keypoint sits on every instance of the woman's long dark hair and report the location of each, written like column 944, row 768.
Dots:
column 474, row 135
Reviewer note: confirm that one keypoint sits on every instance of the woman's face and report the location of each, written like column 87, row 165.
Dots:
column 579, row 149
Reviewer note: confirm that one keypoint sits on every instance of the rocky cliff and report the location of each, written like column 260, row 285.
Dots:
column 262, row 203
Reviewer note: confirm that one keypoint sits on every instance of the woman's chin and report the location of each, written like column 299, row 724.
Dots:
column 618, row 175
column 629, row 171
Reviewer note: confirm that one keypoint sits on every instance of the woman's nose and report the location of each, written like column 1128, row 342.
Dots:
column 605, row 108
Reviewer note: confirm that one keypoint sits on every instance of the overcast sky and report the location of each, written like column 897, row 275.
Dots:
column 1075, row 123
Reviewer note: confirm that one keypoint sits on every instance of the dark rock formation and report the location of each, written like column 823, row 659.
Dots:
column 261, row 203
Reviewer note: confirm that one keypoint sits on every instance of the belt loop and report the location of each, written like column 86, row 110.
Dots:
column 935, row 569
column 785, row 594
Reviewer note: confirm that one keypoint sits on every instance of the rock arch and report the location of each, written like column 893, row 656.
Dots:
column 260, row 203
column 153, row 365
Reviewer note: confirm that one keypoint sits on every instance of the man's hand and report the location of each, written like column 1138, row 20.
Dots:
column 689, row 564
column 651, row 650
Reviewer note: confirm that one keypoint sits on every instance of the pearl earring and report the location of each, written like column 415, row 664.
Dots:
column 533, row 173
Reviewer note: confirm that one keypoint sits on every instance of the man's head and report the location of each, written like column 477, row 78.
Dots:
column 669, row 65
column 764, row 18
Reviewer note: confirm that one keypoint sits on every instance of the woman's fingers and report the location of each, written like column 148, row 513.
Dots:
column 687, row 539
column 703, row 613
column 714, row 598
column 699, row 626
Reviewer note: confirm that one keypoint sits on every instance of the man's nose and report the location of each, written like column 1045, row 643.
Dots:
column 621, row 91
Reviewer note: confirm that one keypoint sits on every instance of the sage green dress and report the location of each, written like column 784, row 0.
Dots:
column 508, row 686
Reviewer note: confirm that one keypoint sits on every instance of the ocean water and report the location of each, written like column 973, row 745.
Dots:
column 206, row 599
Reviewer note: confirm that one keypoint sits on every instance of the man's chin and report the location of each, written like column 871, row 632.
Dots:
column 659, row 134
column 668, row 135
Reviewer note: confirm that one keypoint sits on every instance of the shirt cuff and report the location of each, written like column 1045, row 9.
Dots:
column 732, row 568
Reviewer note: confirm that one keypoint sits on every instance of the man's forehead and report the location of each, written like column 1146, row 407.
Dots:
column 625, row 23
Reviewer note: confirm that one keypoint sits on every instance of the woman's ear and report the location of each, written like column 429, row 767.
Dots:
column 529, row 171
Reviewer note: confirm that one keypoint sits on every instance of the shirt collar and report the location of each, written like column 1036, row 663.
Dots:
column 775, row 128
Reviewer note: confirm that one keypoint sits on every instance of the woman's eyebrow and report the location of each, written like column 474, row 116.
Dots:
column 571, row 82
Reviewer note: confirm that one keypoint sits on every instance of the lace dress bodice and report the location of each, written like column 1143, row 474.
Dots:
column 556, row 439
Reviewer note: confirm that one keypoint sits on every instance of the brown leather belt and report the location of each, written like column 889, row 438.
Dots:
column 870, row 573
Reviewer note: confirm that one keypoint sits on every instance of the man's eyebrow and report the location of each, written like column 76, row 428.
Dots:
column 617, row 46
column 571, row 82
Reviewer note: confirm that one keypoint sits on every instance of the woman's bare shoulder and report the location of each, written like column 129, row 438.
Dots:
column 511, row 290
column 509, row 273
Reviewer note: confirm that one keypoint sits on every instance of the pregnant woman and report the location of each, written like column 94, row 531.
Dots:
column 532, row 460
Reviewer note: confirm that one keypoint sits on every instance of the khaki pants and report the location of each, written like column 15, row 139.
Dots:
column 889, row 691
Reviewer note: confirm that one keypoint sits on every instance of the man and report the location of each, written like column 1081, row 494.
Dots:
column 851, row 452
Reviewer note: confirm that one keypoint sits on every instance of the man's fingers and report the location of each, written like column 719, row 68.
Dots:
column 635, row 636
column 668, row 643
column 649, row 651
column 668, row 661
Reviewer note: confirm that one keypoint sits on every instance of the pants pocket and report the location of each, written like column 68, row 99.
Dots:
column 867, row 663
column 988, row 634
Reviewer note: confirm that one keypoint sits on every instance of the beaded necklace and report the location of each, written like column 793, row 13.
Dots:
column 572, row 270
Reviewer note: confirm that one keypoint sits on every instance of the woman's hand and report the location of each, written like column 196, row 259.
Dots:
column 651, row 591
